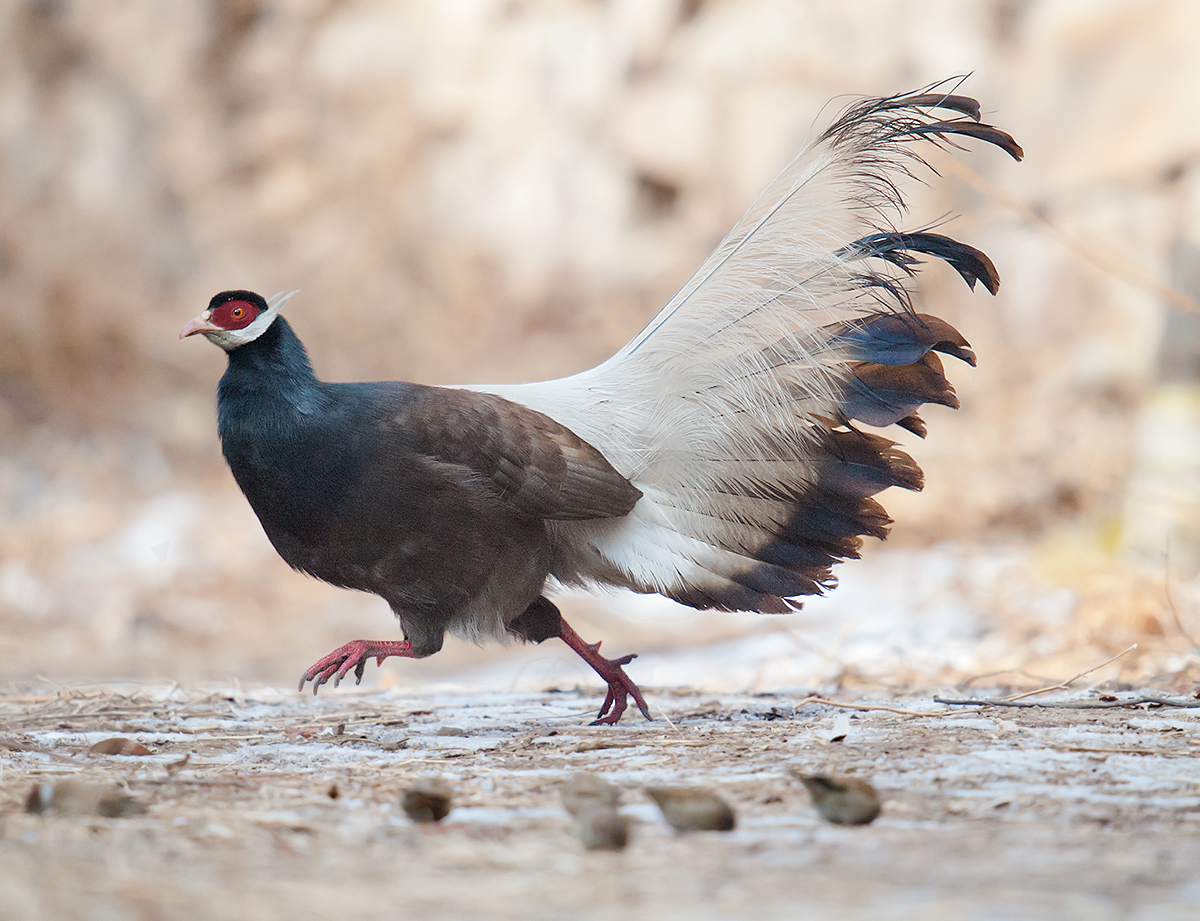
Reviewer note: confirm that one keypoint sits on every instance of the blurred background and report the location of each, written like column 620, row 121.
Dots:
column 497, row 190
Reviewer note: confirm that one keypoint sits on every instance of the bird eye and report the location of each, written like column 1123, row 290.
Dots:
column 236, row 314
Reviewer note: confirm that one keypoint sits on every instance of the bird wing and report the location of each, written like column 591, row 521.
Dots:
column 540, row 468
column 733, row 409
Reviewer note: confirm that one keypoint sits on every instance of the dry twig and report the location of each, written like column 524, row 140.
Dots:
column 663, row 714
column 1062, row 686
column 1183, row 703
column 1111, row 751
column 847, row 705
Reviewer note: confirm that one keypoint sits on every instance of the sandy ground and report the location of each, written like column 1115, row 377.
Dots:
column 992, row 814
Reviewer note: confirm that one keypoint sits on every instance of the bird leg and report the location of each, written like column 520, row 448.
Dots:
column 542, row 621
column 620, row 685
column 354, row 655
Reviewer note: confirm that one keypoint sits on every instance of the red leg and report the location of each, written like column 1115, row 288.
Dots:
column 354, row 655
column 620, row 685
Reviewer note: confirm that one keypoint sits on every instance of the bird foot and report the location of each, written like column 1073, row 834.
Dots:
column 353, row 655
column 620, row 685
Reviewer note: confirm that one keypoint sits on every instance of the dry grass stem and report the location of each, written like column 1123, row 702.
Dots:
column 1062, row 686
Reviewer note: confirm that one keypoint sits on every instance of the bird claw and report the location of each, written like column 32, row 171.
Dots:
column 620, row 689
column 620, row 685
column 353, row 655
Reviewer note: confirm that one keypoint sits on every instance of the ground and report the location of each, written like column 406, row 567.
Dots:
column 264, row 803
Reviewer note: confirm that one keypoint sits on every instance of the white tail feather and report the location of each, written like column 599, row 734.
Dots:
column 719, row 408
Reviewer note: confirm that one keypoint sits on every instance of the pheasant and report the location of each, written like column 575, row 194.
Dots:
column 721, row 458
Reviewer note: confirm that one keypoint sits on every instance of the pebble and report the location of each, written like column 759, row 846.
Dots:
column 600, row 827
column 844, row 800
column 427, row 800
column 693, row 808
column 583, row 790
column 78, row 797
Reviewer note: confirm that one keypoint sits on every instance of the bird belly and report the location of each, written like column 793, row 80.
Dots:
column 452, row 567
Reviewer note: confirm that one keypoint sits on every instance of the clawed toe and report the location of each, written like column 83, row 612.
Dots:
column 620, row 685
column 353, row 655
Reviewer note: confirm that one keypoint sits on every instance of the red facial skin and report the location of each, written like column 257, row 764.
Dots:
column 228, row 316
column 234, row 315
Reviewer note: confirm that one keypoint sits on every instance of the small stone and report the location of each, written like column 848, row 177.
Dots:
column 693, row 808
column 599, row 827
column 451, row 731
column 842, row 801
column 427, row 800
column 584, row 790
column 120, row 746
column 77, row 797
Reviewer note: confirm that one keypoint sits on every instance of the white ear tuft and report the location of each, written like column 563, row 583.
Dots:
column 230, row 339
column 278, row 299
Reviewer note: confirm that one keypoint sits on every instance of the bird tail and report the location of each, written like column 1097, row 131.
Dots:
column 736, row 410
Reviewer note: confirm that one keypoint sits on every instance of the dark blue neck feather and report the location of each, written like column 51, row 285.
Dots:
column 273, row 367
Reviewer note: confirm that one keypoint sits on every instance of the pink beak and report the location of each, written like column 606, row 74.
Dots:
column 197, row 325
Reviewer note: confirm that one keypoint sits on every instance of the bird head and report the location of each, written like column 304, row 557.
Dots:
column 234, row 318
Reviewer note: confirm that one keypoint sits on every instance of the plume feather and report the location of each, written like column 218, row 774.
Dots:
column 721, row 409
